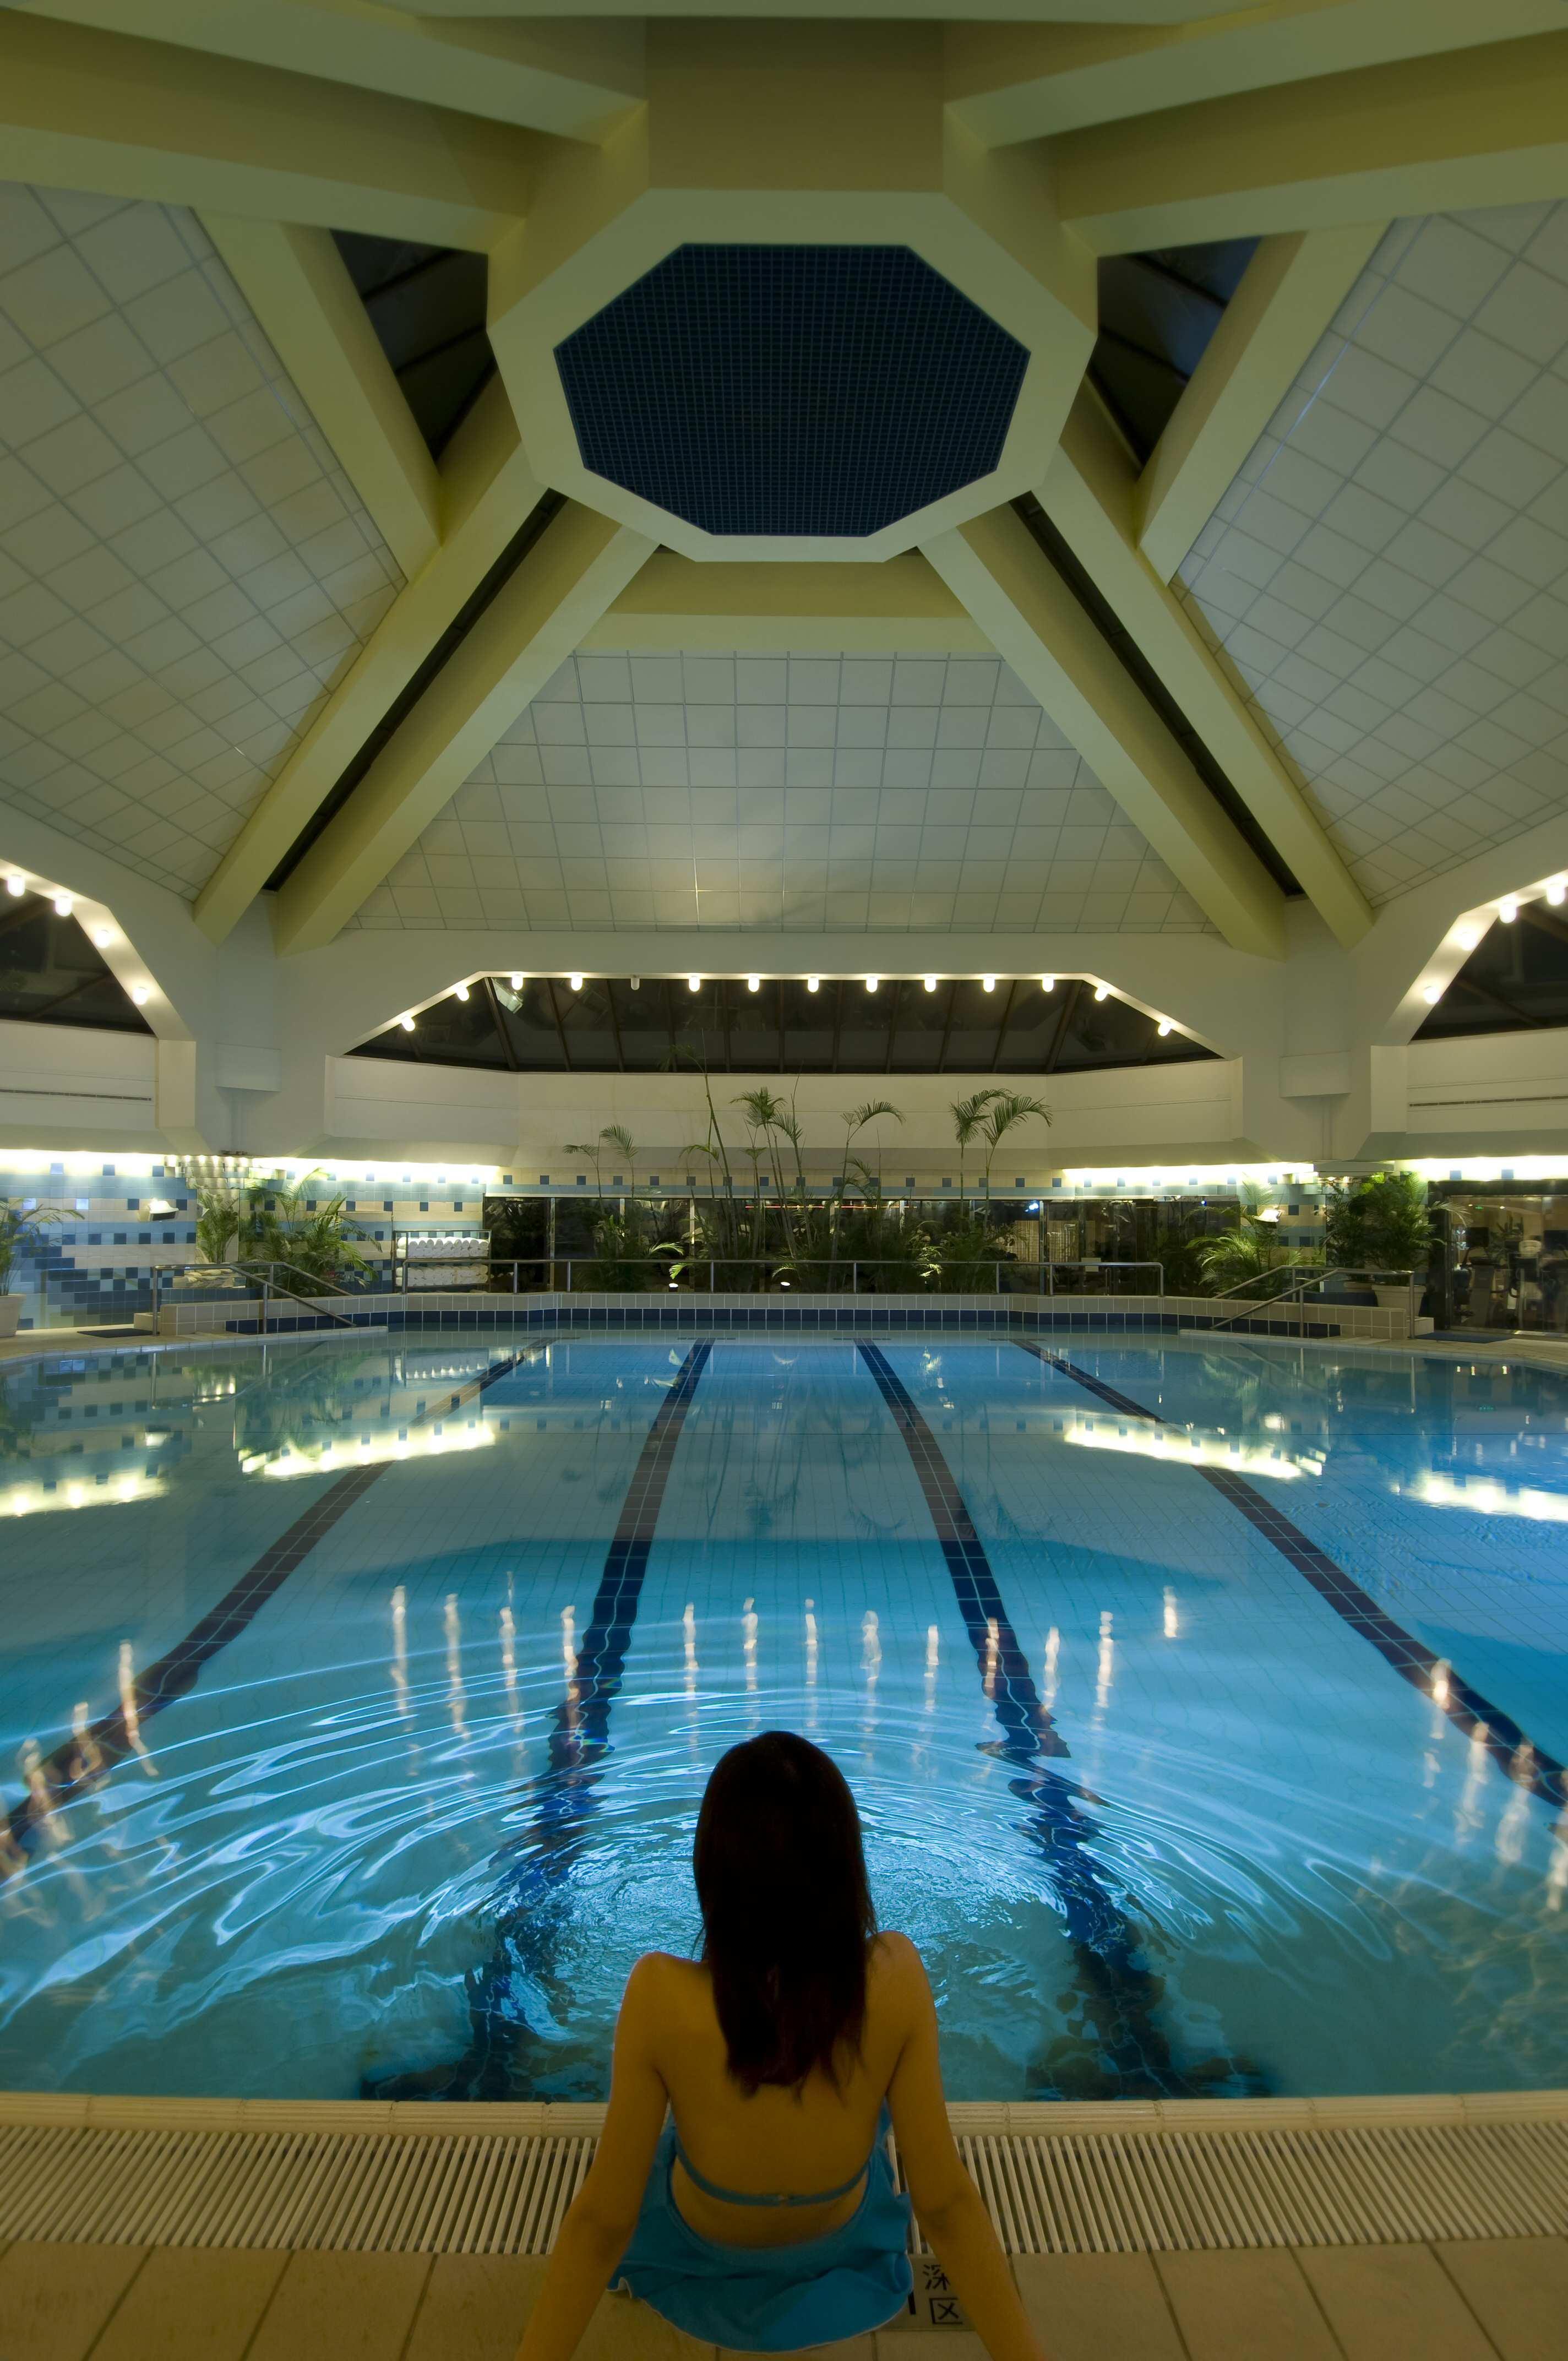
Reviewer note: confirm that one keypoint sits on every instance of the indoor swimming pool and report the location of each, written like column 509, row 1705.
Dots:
column 1206, row 1703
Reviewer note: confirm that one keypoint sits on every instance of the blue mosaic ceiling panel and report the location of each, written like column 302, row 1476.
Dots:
column 783, row 389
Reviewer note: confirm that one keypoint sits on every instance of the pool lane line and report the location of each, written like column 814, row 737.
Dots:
column 533, row 1911
column 78, row 1763
column 1526, row 1764
column 1118, row 1992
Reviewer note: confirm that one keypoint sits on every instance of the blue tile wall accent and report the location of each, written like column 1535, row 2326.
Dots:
column 791, row 389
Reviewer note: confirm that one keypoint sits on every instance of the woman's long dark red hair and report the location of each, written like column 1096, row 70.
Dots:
column 786, row 1911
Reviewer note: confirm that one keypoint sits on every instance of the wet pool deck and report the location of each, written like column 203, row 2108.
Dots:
column 189, row 2246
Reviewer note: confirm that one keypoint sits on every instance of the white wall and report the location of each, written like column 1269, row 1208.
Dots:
column 65, row 1085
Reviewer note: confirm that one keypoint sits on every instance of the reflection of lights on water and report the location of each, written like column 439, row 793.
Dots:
column 1511, row 1827
column 1193, row 1449
column 749, row 1644
column 33, row 1501
column 870, row 1647
column 400, row 1666
column 1103, row 1667
column 810, row 1646
column 688, row 1625
column 1172, row 1625
column 509, row 1663
column 130, row 1713
column 1053, row 1650
column 991, row 1656
column 931, row 1662
column 1485, row 1497
column 568, row 1640
column 1557, row 1875
column 367, row 1451
column 454, row 1629
column 1440, row 1682
column 89, row 1756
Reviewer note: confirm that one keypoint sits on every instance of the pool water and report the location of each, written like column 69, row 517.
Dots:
column 1205, row 1703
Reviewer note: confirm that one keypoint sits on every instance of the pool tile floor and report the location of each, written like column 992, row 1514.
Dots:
column 1480, row 2300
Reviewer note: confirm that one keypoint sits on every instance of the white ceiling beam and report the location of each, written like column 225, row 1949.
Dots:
column 82, row 109
column 1126, row 12
column 576, row 81
column 488, row 492
column 1011, row 81
column 1089, row 495
column 1036, row 623
column 1478, row 126
column 297, row 284
column 1288, row 294
column 581, row 562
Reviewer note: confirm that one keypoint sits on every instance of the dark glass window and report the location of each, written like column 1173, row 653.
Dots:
column 51, row 973
column 841, row 1028
column 1515, row 980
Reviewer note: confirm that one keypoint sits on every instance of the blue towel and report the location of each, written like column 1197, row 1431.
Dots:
column 772, row 2299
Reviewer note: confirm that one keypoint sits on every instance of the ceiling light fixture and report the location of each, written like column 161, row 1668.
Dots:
column 576, row 983
column 407, row 1022
column 694, row 984
column 987, row 983
column 1163, row 1028
column 1556, row 891
column 517, row 983
column 141, row 994
column 1431, row 994
column 462, row 991
column 102, row 937
column 63, row 905
column 872, row 981
column 930, row 984
column 1102, row 992
column 1467, row 937
column 1508, row 909
column 1047, row 983
column 753, row 983
column 15, row 883
column 813, row 982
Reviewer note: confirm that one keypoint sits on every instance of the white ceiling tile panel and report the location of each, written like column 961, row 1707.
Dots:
column 1387, row 577
column 722, row 790
column 184, row 567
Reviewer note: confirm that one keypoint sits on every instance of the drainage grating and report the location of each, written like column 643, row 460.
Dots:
column 1154, row 2191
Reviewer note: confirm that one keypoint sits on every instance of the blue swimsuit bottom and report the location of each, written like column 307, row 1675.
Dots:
column 772, row 2299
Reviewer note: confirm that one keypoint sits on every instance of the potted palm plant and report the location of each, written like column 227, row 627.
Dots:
column 19, row 1221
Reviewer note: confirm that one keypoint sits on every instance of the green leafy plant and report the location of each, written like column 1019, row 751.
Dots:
column 1007, row 1110
column 1380, row 1222
column 19, row 1224
column 286, row 1222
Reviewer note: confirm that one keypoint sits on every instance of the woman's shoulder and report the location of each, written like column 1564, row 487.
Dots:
column 894, row 1967
column 659, row 1978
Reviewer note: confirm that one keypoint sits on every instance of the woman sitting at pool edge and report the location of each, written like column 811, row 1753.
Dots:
column 764, row 2217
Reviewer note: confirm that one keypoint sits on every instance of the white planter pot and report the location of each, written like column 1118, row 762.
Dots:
column 10, row 1312
column 1392, row 1299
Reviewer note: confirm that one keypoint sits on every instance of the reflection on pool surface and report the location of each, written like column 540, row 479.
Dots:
column 1205, row 1704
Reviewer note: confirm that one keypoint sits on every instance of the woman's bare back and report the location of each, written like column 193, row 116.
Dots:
column 776, row 2141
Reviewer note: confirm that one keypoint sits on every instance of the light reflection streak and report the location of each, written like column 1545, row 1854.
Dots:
column 1105, row 1666
column 749, row 1644
column 32, row 1500
column 1485, row 1497
column 1172, row 1623
column 293, row 1459
column 931, row 1662
column 568, row 1642
column 454, row 1690
column 688, row 1625
column 400, row 1664
column 993, row 1656
column 1191, row 1449
column 509, row 1663
column 131, row 1712
column 1053, row 1653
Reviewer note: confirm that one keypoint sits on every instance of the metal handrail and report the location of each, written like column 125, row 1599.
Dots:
column 257, row 1274
column 1222, row 1293
column 1318, row 1273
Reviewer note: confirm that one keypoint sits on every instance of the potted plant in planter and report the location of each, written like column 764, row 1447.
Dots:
column 1381, row 1225
column 19, row 1219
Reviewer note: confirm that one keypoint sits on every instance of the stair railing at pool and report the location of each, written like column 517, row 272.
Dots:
column 1259, row 1306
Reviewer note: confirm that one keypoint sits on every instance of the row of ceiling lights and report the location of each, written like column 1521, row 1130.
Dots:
column 813, row 983
column 1465, row 938
column 64, row 904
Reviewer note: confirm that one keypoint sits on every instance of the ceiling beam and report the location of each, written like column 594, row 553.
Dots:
column 297, row 284
column 575, row 80
column 679, row 602
column 1089, row 495
column 579, row 565
column 1007, row 82
column 1036, row 623
column 488, row 492
column 1477, row 126
column 1288, row 294
column 82, row 109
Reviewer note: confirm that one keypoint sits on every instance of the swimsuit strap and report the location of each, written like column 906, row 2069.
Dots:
column 749, row 2197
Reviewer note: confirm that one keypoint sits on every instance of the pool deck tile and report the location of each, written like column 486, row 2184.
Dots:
column 475, row 2307
column 1394, row 2303
column 1518, row 2289
column 191, row 2303
column 54, row 2299
column 1097, row 2307
column 340, row 2306
column 1239, row 2305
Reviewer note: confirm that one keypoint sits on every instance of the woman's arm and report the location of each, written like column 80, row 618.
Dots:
column 602, row 2216
column 946, row 2202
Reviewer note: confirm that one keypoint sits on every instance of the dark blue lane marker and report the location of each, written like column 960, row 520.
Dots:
column 506, row 2057
column 79, row 1762
column 1113, row 2048
column 1527, row 1765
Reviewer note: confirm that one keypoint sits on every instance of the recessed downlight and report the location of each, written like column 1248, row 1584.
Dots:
column 872, row 981
column 407, row 1022
column 141, row 993
column 930, row 984
column 988, row 984
column 462, row 991
column 694, row 984
column 15, row 883
column 1047, row 983
column 1163, row 1028
column 1102, row 992
column 1508, row 909
column 1431, row 994
column 813, row 982
column 753, row 983
column 63, row 905
column 576, row 983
